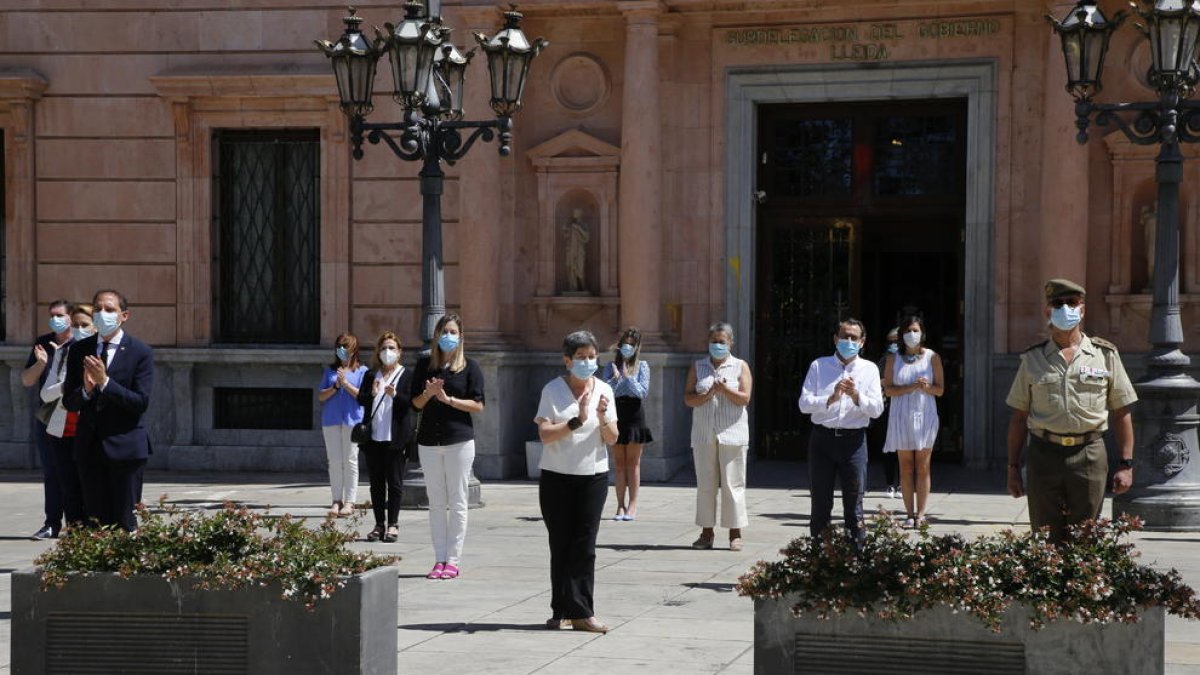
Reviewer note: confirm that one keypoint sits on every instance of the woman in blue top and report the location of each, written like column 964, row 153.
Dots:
column 340, row 411
column 629, row 377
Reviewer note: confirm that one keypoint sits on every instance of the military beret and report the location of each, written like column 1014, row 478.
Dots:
column 1061, row 288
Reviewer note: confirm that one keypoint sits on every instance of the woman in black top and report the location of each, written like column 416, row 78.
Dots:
column 386, row 398
column 447, row 388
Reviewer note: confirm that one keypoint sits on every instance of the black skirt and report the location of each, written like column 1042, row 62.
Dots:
column 631, row 421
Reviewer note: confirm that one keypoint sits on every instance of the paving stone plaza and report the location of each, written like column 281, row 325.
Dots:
column 671, row 608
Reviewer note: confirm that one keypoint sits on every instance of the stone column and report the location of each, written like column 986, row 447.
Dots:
column 639, row 232
column 1063, row 241
column 482, row 214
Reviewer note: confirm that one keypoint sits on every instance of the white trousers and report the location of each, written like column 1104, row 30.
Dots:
column 721, row 468
column 342, row 454
column 447, row 471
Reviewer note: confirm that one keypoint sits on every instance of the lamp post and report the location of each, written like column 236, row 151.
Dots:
column 429, row 74
column 1166, row 493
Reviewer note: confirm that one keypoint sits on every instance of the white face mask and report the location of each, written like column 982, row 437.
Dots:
column 389, row 356
column 912, row 338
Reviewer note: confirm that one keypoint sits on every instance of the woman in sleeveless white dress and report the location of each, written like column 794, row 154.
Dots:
column 912, row 379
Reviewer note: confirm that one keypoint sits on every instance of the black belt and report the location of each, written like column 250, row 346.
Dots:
column 839, row 432
column 1068, row 440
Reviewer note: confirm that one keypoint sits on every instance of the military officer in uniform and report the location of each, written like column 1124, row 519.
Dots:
column 1067, row 392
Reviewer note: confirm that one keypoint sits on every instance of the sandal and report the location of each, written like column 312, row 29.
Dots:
column 909, row 523
column 375, row 534
column 391, row 535
column 436, row 572
column 335, row 510
column 735, row 544
column 347, row 509
column 450, row 571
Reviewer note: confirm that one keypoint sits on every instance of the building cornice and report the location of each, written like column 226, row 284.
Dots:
column 185, row 84
column 21, row 84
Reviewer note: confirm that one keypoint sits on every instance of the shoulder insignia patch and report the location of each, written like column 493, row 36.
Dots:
column 1103, row 344
column 1039, row 345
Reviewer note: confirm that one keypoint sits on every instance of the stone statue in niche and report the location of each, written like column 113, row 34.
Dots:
column 575, row 241
column 1149, row 222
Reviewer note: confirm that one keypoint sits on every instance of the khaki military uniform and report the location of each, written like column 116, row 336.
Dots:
column 1068, row 406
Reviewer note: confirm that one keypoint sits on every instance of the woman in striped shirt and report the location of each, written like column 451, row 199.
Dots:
column 718, row 391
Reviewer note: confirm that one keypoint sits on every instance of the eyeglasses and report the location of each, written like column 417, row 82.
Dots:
column 1069, row 302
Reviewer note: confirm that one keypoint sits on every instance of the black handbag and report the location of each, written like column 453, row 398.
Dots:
column 46, row 411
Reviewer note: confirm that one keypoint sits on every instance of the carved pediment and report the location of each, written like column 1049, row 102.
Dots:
column 575, row 149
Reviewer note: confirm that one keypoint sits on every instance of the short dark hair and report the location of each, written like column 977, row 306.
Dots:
column 62, row 303
column 121, row 301
column 849, row 321
column 577, row 340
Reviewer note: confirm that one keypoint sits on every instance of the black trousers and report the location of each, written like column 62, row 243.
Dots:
column 111, row 488
column 834, row 454
column 68, row 479
column 571, row 507
column 385, row 466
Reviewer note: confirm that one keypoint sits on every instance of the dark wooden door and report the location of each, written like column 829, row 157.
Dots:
column 863, row 217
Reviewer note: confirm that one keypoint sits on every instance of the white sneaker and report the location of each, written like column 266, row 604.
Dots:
column 891, row 492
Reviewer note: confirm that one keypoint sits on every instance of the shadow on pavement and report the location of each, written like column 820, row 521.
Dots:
column 473, row 627
column 710, row 586
column 644, row 547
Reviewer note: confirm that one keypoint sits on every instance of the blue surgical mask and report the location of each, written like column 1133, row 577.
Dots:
column 448, row 342
column 627, row 350
column 78, row 334
column 1066, row 317
column 718, row 350
column 893, row 348
column 847, row 348
column 106, row 323
column 342, row 353
column 583, row 368
column 59, row 324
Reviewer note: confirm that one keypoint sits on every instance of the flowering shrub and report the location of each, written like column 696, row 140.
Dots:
column 1092, row 577
column 230, row 549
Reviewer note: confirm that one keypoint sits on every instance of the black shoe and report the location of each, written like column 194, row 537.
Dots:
column 46, row 532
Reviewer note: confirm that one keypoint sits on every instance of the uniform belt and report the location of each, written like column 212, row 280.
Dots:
column 1067, row 441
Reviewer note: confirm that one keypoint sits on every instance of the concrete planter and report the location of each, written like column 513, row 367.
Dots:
column 102, row 623
column 938, row 641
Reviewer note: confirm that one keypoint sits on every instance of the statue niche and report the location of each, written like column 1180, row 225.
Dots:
column 577, row 252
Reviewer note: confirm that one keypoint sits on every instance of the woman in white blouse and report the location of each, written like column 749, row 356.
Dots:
column 60, row 427
column 576, row 418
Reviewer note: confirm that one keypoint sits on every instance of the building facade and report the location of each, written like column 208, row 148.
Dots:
column 774, row 163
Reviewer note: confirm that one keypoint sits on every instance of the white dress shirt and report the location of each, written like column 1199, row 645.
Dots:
column 823, row 376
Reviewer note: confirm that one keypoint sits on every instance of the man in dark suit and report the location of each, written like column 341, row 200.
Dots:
column 109, row 378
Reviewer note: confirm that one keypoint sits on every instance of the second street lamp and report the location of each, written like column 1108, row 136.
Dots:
column 1166, row 492
column 429, row 74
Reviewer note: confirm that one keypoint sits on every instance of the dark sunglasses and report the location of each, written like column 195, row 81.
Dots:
column 1069, row 302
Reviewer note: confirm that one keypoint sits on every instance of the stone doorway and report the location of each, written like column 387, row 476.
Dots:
column 960, row 226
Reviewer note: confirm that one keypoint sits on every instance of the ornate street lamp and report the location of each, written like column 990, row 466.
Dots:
column 429, row 74
column 1166, row 494
column 354, row 57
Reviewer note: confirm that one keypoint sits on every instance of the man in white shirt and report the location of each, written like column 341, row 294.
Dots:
column 842, row 393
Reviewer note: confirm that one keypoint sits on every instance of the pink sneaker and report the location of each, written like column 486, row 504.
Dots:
column 449, row 572
column 436, row 572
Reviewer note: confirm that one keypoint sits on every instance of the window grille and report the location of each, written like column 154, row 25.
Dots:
column 262, row 408
column 267, row 236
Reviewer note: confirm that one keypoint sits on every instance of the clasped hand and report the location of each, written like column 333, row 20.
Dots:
column 435, row 387
column 94, row 373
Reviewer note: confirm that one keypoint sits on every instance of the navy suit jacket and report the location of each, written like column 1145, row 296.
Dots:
column 112, row 418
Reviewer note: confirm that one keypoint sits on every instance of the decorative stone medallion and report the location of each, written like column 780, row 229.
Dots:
column 580, row 83
column 1169, row 453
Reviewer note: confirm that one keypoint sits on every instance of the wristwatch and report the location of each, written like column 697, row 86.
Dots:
column 1125, row 463
column 574, row 423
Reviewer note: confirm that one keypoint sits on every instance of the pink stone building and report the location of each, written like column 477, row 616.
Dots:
column 773, row 163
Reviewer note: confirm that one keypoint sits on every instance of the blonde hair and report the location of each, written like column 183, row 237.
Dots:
column 376, row 363
column 435, row 353
column 83, row 308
